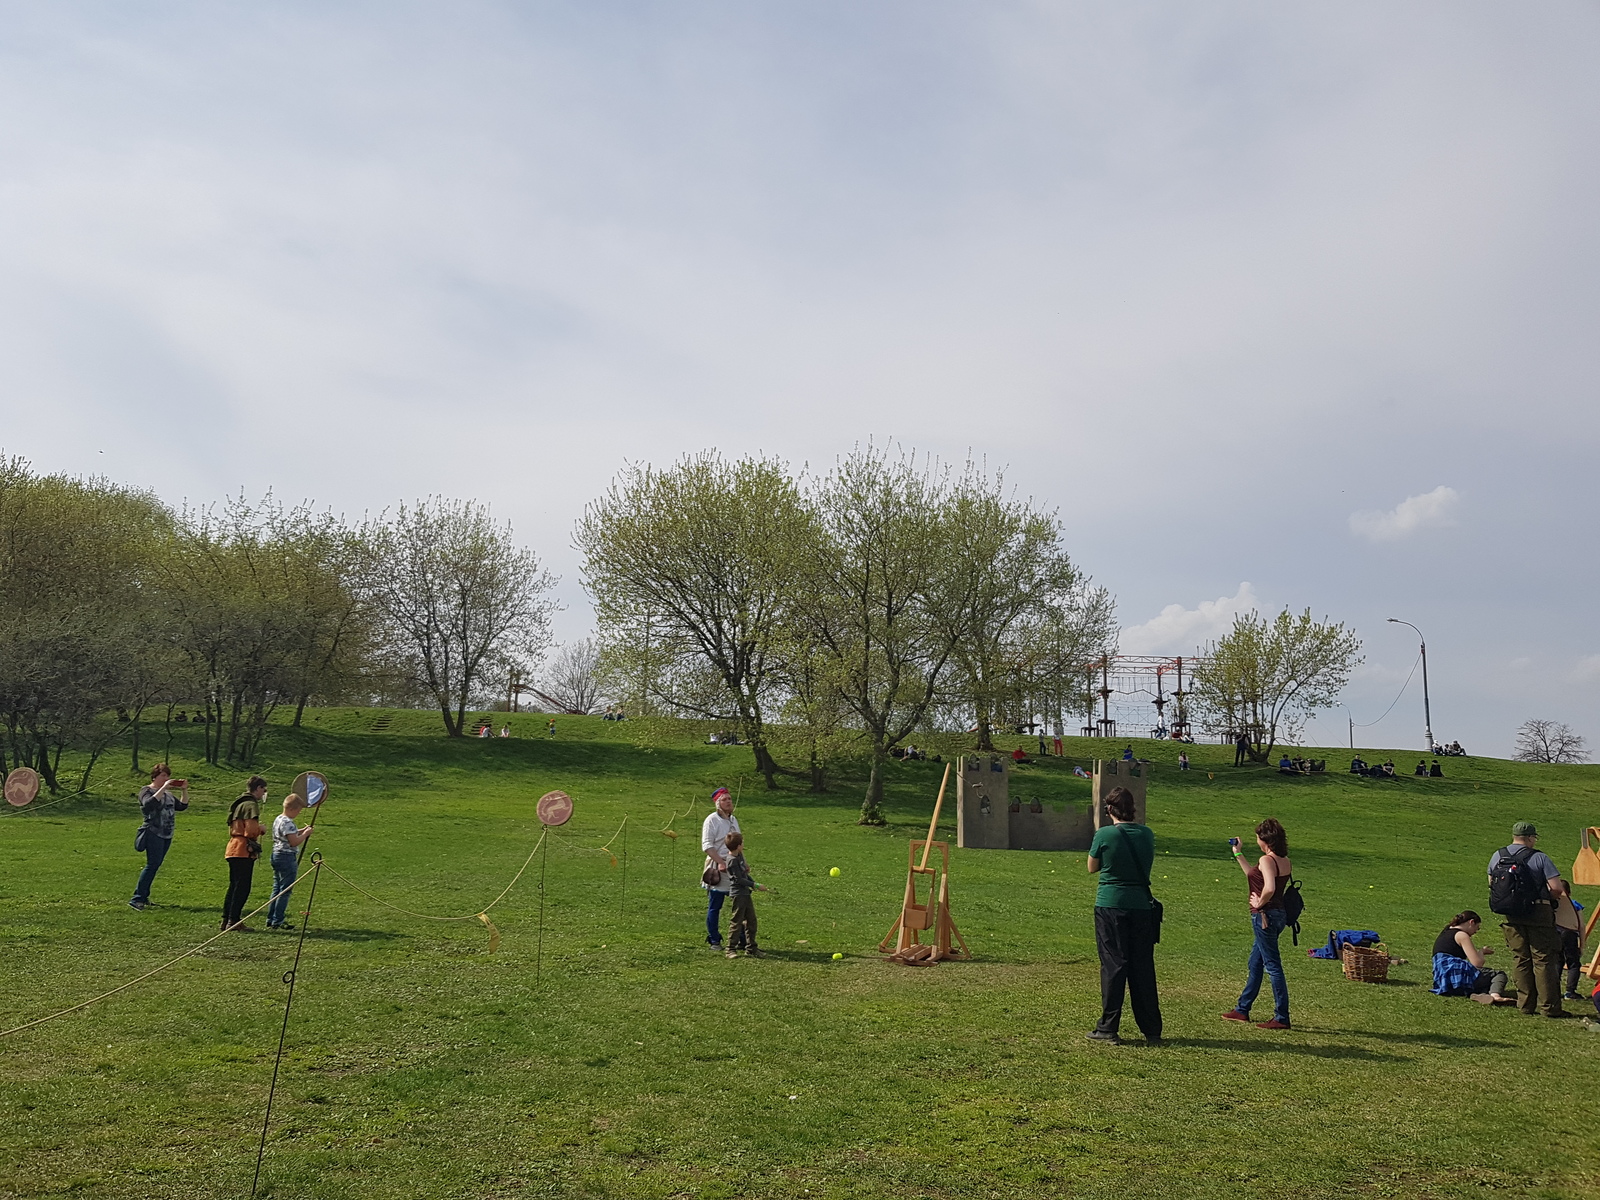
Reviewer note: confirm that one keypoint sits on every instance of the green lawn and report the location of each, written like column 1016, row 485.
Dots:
column 645, row 1066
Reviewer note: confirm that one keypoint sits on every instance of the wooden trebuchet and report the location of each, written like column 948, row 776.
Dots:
column 934, row 915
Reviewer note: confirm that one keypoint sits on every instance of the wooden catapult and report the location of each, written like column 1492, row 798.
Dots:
column 906, row 933
column 1586, row 871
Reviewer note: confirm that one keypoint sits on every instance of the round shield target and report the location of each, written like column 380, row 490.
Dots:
column 22, row 785
column 555, row 808
column 312, row 787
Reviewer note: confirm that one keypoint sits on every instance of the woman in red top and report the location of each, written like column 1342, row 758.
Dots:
column 244, row 847
column 1267, row 880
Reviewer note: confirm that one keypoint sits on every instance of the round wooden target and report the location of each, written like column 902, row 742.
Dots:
column 555, row 808
column 22, row 785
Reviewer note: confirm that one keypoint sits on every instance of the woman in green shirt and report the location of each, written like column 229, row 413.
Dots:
column 1125, row 921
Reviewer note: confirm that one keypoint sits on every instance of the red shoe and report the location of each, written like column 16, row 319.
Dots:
column 1272, row 1024
column 1234, row 1014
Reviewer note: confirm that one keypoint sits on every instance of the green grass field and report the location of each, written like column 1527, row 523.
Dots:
column 643, row 1065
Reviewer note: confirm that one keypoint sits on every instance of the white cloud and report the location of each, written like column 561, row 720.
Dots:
column 1180, row 630
column 1430, row 510
column 1587, row 669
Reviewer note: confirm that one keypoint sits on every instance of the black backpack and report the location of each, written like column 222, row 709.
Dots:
column 1293, row 905
column 1513, row 887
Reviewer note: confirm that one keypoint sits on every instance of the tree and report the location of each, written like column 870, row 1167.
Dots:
column 698, row 562
column 1544, row 741
column 75, row 607
column 458, row 603
column 1265, row 677
column 885, row 599
column 571, row 682
column 1020, row 601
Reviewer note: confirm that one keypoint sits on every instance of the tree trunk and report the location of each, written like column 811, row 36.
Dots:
column 985, row 732
column 764, row 762
column 299, row 709
column 46, row 771
column 872, row 806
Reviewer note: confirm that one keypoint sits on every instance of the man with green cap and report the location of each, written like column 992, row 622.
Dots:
column 1523, row 883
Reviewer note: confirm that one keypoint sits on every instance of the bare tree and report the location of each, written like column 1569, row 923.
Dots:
column 461, row 604
column 1545, row 741
column 571, row 681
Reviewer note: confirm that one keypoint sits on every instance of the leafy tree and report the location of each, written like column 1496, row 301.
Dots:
column 698, row 564
column 1023, row 602
column 1544, row 741
column 1265, row 677
column 885, row 602
column 74, row 611
column 458, row 603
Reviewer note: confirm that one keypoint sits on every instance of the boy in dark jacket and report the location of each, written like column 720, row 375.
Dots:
column 742, row 929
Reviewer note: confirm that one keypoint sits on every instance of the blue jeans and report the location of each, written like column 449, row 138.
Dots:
column 714, row 900
column 1264, row 957
column 155, row 850
column 284, row 869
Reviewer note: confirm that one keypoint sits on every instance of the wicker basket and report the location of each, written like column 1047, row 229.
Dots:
column 1367, row 964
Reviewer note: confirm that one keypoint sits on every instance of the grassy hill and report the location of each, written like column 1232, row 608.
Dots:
column 642, row 1065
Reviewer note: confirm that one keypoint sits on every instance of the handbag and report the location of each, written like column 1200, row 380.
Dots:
column 712, row 875
column 139, row 839
column 1586, row 867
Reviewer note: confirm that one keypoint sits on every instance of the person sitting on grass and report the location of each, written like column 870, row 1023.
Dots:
column 742, row 926
column 1358, row 766
column 1183, row 760
column 1020, row 755
column 1422, row 769
column 1388, row 769
column 1458, row 963
column 1285, row 767
column 1436, row 771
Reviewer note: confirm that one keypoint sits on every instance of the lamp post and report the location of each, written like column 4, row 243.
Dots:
column 1427, row 716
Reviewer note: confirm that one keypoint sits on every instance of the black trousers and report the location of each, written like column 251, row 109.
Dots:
column 1126, row 939
column 1238, row 755
column 240, row 871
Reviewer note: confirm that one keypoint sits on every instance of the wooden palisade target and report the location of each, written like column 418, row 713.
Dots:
column 934, row 915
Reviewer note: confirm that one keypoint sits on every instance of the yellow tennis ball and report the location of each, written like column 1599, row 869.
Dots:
column 834, row 871
column 837, row 955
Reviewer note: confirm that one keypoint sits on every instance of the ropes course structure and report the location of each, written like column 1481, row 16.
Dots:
column 1133, row 693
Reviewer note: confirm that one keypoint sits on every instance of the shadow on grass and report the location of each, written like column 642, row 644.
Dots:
column 1438, row 1041
column 1265, row 1045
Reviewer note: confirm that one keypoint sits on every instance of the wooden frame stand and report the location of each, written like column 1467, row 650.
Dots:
column 934, row 915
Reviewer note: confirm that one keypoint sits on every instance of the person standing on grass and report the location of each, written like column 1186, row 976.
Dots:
column 244, row 847
column 1241, row 750
column 1267, row 879
column 287, row 838
column 1126, row 924
column 742, row 925
column 1523, row 884
column 159, row 806
column 714, row 833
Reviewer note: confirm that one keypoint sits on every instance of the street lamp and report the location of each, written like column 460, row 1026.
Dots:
column 1427, row 717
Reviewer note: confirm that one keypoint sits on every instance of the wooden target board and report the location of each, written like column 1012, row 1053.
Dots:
column 554, row 808
column 22, row 785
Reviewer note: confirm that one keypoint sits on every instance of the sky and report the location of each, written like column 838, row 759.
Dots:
column 1278, row 305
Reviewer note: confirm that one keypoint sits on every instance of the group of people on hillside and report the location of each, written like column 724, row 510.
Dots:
column 164, row 797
